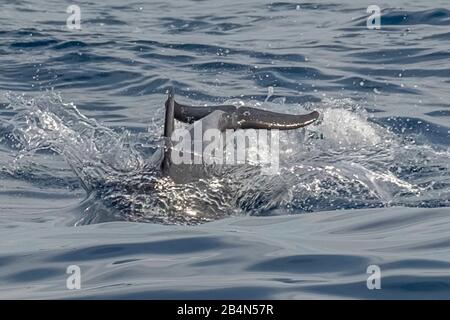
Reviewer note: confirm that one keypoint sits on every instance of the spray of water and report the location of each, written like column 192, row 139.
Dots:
column 344, row 161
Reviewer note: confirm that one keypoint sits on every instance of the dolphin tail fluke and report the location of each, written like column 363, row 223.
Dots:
column 252, row 118
column 244, row 117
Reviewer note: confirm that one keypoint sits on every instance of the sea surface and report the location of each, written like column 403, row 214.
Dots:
column 367, row 186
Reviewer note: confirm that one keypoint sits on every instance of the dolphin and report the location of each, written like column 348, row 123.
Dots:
column 221, row 118
column 166, row 191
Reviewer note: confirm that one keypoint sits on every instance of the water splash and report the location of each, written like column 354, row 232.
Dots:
column 92, row 150
column 344, row 161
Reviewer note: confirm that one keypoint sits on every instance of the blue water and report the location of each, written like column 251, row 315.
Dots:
column 81, row 113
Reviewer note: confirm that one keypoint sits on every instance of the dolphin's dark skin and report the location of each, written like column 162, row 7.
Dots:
column 225, row 117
